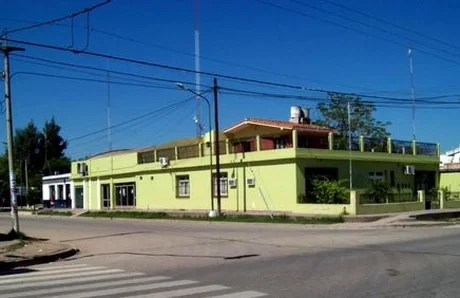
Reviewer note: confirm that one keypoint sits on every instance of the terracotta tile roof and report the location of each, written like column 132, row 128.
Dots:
column 281, row 125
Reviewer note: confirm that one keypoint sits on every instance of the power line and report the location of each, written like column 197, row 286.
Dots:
column 372, row 27
column 176, row 51
column 92, row 80
column 104, row 70
column 72, row 15
column 131, row 120
column 181, row 69
column 358, row 31
column 383, row 21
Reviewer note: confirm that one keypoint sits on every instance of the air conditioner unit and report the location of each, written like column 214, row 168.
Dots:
column 409, row 170
column 163, row 161
column 232, row 183
column 251, row 181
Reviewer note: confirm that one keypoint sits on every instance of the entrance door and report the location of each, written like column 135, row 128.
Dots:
column 125, row 195
column 105, row 196
column 79, row 197
column 426, row 180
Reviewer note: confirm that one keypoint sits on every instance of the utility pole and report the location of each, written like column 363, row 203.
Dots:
column 6, row 49
column 412, row 91
column 350, row 165
column 109, row 120
column 26, row 168
column 217, row 148
column 197, row 69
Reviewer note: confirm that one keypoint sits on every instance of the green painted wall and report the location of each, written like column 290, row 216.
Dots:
column 450, row 180
column 279, row 176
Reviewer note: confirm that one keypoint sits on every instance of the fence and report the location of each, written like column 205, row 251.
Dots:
column 341, row 143
column 401, row 147
column 375, row 145
column 426, row 149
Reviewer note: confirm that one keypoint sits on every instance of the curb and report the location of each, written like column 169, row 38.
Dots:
column 39, row 260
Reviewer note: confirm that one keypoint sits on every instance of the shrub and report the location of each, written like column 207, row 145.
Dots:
column 330, row 192
column 378, row 192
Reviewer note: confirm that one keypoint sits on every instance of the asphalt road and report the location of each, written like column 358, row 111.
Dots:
column 252, row 260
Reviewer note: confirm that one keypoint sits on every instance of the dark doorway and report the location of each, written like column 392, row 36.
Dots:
column 79, row 197
column 426, row 180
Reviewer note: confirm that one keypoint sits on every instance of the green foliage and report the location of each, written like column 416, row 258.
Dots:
column 334, row 114
column 378, row 192
column 330, row 192
column 44, row 153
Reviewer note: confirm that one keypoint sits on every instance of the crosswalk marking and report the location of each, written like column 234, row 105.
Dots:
column 55, row 272
column 60, row 281
column 183, row 292
column 123, row 290
column 246, row 294
column 61, row 267
column 85, row 281
column 88, row 287
column 35, row 278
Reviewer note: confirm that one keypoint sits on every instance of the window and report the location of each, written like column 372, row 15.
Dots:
column 223, row 184
column 392, row 179
column 125, row 195
column 105, row 193
column 183, row 186
column 280, row 143
column 376, row 176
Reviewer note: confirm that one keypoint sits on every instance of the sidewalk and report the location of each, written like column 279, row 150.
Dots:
column 18, row 253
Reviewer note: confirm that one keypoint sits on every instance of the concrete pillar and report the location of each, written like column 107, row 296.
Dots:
column 99, row 197
column 227, row 146
column 72, row 196
column 330, row 139
column 414, row 147
column 295, row 141
column 438, row 149
column 442, row 199
column 258, row 143
column 155, row 155
column 421, row 196
column 176, row 152
column 200, row 152
column 389, row 145
column 354, row 202
column 361, row 143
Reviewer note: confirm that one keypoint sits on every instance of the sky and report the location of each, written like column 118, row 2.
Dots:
column 288, row 43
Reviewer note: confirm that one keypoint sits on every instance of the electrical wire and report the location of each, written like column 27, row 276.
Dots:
column 358, row 31
column 132, row 119
column 383, row 21
column 352, row 20
column 94, row 80
column 104, row 70
column 72, row 15
column 187, row 70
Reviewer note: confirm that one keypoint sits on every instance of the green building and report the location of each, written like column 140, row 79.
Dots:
column 266, row 165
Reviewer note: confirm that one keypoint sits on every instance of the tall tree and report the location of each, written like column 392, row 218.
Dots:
column 53, row 148
column 334, row 114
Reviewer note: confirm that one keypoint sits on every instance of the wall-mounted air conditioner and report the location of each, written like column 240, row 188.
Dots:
column 232, row 183
column 251, row 181
column 163, row 161
column 409, row 170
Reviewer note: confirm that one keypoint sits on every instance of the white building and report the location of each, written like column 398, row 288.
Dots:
column 58, row 191
column 451, row 157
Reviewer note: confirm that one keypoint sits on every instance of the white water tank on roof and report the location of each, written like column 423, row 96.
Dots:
column 296, row 112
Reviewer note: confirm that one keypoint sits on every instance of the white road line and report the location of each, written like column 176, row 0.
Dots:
column 55, row 277
column 182, row 292
column 127, row 289
column 60, row 281
column 247, row 294
column 53, row 290
column 54, row 272
column 60, row 267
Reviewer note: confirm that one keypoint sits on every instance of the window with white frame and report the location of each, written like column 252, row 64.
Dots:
column 183, row 186
column 223, row 184
column 376, row 176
